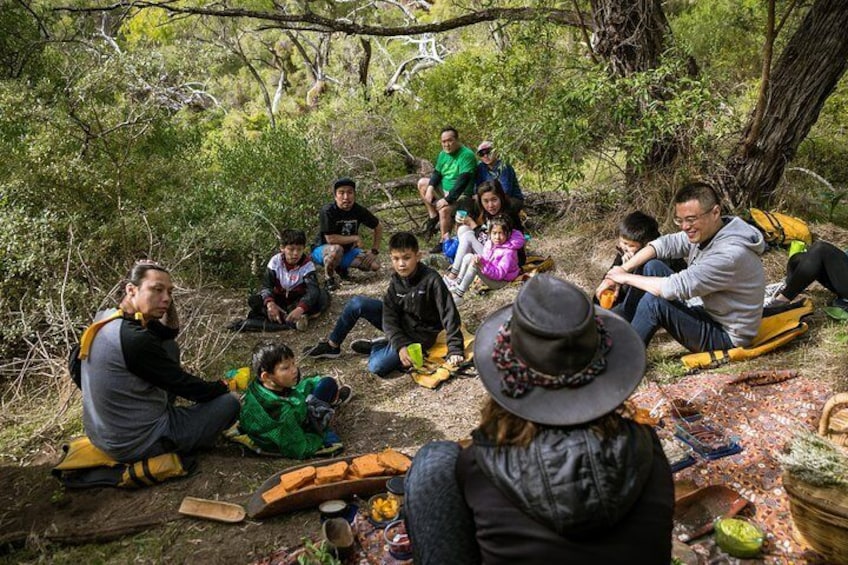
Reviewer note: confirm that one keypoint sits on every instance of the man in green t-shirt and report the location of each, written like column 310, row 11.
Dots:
column 450, row 187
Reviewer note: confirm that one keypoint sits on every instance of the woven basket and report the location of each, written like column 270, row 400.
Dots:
column 834, row 420
column 821, row 517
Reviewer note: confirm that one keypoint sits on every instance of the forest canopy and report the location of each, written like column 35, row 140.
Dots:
column 191, row 131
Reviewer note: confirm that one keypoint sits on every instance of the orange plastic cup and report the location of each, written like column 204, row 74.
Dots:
column 607, row 298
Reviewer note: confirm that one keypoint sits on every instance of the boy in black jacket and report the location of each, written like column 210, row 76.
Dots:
column 416, row 307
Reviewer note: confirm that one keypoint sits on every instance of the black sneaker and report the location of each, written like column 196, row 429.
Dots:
column 323, row 350
column 345, row 394
column 364, row 346
column 437, row 248
column 332, row 284
column 344, row 274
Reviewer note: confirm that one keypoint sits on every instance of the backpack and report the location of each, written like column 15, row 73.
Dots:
column 780, row 229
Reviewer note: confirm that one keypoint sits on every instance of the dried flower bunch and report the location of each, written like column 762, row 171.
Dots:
column 816, row 460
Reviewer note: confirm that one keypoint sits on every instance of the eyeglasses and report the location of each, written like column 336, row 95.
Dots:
column 690, row 220
column 484, row 152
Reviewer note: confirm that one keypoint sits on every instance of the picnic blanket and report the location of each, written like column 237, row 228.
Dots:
column 435, row 370
column 763, row 418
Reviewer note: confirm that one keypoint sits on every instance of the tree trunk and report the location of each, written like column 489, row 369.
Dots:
column 808, row 70
column 631, row 37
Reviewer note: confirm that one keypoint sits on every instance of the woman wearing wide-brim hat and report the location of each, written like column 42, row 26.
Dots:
column 554, row 474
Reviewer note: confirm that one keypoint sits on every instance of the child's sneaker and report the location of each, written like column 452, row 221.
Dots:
column 323, row 350
column 302, row 324
column 364, row 346
column 457, row 299
column 332, row 283
column 449, row 282
column 344, row 396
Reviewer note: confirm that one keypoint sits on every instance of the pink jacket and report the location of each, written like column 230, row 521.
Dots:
column 500, row 262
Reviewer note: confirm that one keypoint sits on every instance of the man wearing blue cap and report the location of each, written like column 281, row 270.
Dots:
column 338, row 245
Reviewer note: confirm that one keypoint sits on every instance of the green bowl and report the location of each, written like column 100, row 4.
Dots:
column 739, row 538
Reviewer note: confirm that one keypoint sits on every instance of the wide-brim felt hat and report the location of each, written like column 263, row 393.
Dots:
column 553, row 330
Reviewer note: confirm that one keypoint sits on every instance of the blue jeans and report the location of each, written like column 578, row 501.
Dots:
column 326, row 389
column 383, row 359
column 357, row 307
column 691, row 327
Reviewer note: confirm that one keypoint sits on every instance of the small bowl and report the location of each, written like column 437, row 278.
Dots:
column 387, row 519
column 398, row 540
column 334, row 509
column 739, row 538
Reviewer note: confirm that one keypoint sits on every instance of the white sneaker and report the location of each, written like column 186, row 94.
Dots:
column 458, row 300
column 772, row 292
column 451, row 283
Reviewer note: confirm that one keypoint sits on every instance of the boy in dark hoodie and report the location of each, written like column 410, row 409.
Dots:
column 417, row 306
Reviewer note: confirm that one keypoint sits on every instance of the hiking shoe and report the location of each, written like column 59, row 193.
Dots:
column 323, row 350
column 772, row 292
column 364, row 346
column 302, row 324
column 344, row 396
column 332, row 284
column 437, row 248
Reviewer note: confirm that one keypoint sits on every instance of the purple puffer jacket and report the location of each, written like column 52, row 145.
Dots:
column 500, row 262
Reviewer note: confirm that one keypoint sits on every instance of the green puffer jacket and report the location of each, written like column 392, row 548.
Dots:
column 276, row 423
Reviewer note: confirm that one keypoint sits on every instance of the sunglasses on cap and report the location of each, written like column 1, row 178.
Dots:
column 484, row 152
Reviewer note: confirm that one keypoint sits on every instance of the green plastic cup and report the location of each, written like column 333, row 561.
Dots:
column 416, row 354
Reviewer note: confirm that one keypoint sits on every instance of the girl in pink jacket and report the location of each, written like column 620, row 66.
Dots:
column 497, row 266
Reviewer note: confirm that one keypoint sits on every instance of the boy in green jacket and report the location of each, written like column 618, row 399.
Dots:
column 287, row 414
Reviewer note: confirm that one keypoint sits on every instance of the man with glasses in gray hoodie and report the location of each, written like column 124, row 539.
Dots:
column 724, row 271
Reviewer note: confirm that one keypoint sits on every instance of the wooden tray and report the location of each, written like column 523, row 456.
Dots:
column 312, row 496
column 212, row 510
column 695, row 513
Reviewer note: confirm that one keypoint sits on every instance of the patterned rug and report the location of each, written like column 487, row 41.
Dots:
column 762, row 419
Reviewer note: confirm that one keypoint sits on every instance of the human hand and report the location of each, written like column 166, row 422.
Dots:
column 606, row 284
column 441, row 203
column 295, row 315
column 475, row 260
column 405, row 359
column 275, row 314
column 455, row 360
column 627, row 256
column 617, row 275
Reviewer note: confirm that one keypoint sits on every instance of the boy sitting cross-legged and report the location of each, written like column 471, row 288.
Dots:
column 417, row 306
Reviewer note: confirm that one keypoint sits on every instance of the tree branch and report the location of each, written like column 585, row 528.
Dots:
column 310, row 21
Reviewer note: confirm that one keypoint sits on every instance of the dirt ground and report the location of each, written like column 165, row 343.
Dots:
column 41, row 522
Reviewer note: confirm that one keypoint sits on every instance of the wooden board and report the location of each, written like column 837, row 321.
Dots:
column 312, row 496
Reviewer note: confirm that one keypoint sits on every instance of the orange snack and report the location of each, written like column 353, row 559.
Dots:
column 330, row 473
column 274, row 494
column 294, row 480
column 366, row 466
column 393, row 461
column 607, row 299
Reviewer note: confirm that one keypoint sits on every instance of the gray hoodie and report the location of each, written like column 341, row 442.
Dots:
column 727, row 274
